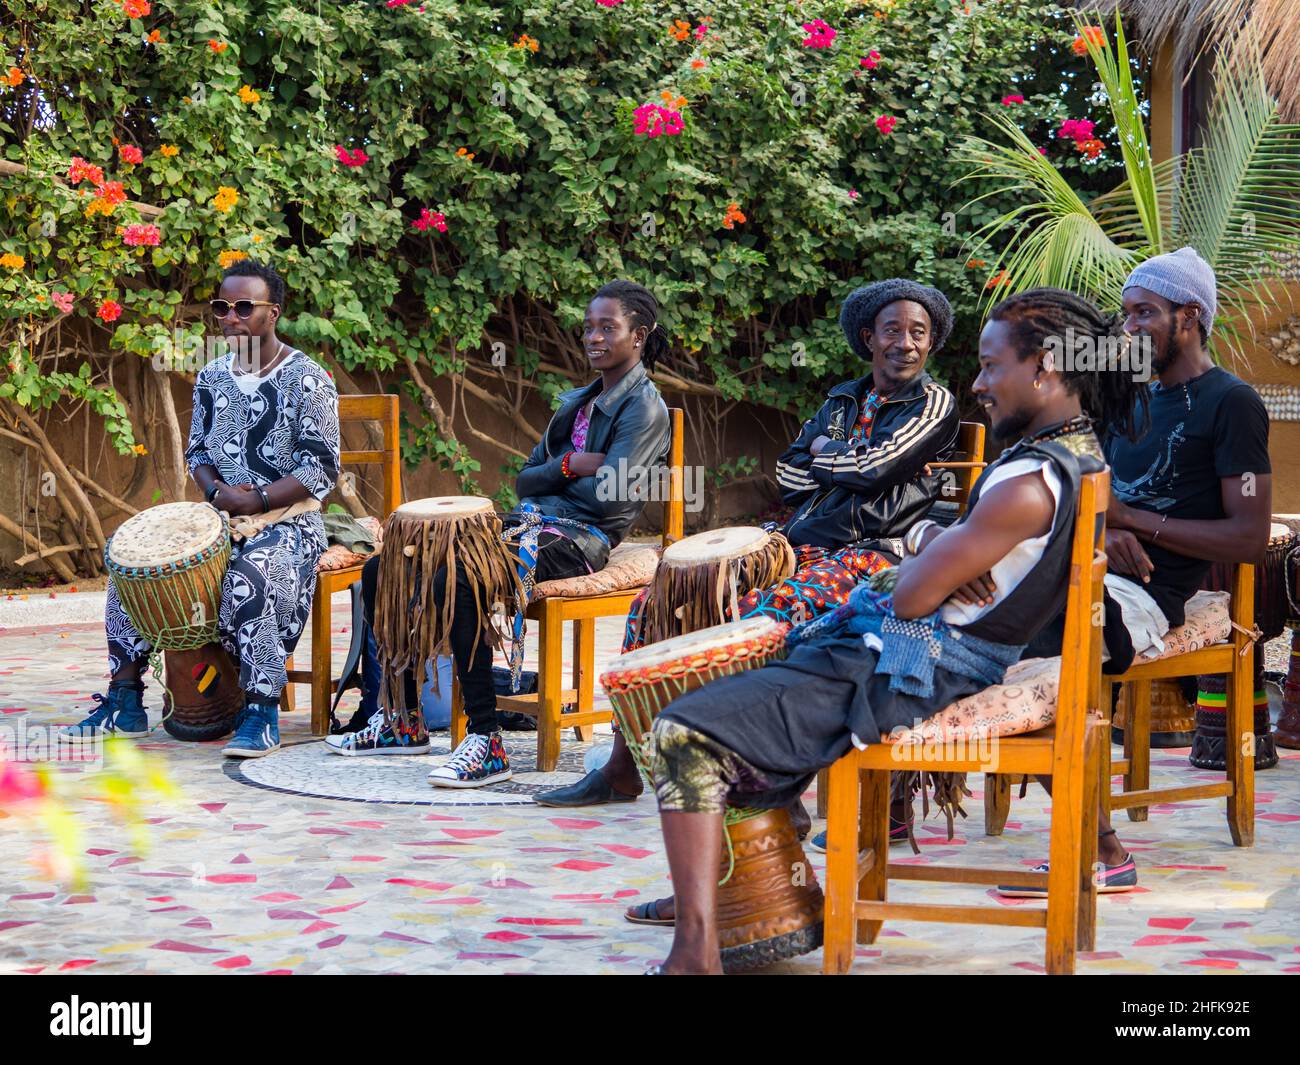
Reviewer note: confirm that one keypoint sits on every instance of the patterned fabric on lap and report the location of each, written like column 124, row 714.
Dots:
column 1024, row 702
column 1206, row 624
column 630, row 566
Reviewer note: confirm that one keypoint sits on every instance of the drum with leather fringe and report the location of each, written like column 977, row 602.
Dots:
column 1272, row 610
column 769, row 901
column 700, row 580
column 203, row 696
column 420, row 538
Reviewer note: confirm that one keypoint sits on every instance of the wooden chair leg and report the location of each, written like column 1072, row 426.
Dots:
column 997, row 802
column 1104, row 747
column 843, row 784
column 1088, row 870
column 1139, row 729
column 584, row 671
column 823, row 790
column 1063, row 870
column 1239, row 745
column 550, row 685
column 288, row 704
column 321, row 663
column 873, row 836
column 459, row 722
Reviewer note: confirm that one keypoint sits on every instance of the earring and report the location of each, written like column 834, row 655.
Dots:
column 1037, row 383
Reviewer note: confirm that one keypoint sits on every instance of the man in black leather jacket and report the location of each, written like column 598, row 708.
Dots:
column 871, row 484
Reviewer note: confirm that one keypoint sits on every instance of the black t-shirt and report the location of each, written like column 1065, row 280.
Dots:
column 1213, row 426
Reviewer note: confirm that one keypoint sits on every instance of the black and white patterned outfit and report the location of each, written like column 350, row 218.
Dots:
column 287, row 424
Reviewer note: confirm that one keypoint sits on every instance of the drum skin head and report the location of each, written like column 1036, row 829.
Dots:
column 166, row 533
column 733, row 632
column 443, row 507
column 730, row 542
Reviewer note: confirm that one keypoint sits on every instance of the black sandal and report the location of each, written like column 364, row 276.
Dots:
column 648, row 913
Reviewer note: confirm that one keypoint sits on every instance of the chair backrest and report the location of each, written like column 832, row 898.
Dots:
column 382, row 409
column 675, row 504
column 1079, row 692
column 964, row 465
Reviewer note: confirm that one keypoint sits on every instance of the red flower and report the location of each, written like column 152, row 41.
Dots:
column 886, row 124
column 141, row 234
column 136, row 8
column 1007, row 101
column 871, row 60
column 351, row 158
column 131, row 154
column 109, row 311
column 80, row 171
column 430, row 220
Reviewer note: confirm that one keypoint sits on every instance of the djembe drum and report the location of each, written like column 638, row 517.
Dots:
column 167, row 564
column 769, row 902
column 420, row 538
column 700, row 580
column 1271, row 612
column 1287, row 733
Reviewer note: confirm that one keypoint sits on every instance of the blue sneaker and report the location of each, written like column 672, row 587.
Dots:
column 897, row 834
column 1110, row 880
column 257, row 732
column 120, row 713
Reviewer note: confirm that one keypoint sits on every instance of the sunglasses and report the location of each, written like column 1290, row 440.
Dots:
column 243, row 308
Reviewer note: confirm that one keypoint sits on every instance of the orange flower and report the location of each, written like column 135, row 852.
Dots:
column 997, row 280
column 972, row 264
column 697, row 64
column 1094, row 34
column 140, row 449
column 525, row 41
column 10, row 261
column 225, row 199
column 229, row 258
column 674, row 102
column 136, row 8
column 249, row 95
column 15, row 77
column 168, row 150
column 679, row 30
column 466, row 153
column 217, row 46
column 733, row 216
column 155, row 37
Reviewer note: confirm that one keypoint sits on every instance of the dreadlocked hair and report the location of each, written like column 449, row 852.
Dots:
column 1109, row 394
column 639, row 304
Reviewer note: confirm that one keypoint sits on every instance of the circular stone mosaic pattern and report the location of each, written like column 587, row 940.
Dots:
column 311, row 769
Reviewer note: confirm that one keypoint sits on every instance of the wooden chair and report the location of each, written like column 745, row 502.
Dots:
column 966, row 463
column 858, row 869
column 1136, row 794
column 551, row 612
column 383, row 409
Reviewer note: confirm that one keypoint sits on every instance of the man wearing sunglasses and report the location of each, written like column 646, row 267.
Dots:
column 264, row 441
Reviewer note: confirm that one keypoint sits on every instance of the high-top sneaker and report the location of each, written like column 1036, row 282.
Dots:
column 257, row 732
column 477, row 761
column 405, row 734
column 120, row 713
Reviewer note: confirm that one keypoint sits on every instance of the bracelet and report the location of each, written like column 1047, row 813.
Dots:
column 216, row 492
column 564, row 465
column 212, row 491
column 913, row 538
column 1156, row 535
column 266, row 499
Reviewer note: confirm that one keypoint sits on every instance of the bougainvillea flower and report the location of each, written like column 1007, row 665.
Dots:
column 698, row 64
column 139, row 449
column 820, row 34
column 1076, row 129
column 1095, row 34
column 672, row 101
column 249, row 95
column 217, row 46
column 886, row 124
column 109, row 311
column 527, row 42
column 972, row 264
column 733, row 215
column 853, row 194
column 80, row 171
column 1091, row 147
column 871, row 60
column 351, row 158
column 225, row 199
column 1012, row 98
column 136, row 8
column 140, row 235
column 10, row 261
column 63, row 301
column 15, row 77
column 655, row 121
column 168, row 150
column 701, row 31
column 18, row 784
column 997, row 280
column 679, row 30
column 229, row 258
column 129, row 153
column 465, row 153
column 155, row 37
column 430, row 220
column 609, row 3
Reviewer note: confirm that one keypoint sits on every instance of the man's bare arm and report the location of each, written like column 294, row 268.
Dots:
column 1241, row 536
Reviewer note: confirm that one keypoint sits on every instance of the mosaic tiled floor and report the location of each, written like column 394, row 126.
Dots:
column 241, row 878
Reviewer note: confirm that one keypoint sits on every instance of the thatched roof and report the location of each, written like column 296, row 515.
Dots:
column 1191, row 23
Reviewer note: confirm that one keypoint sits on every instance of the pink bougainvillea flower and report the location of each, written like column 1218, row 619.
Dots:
column 655, row 121
column 18, row 784
column 63, row 301
column 1075, row 129
column 396, row 3
column 609, row 3
column 80, row 171
column 140, row 235
column 109, row 311
column 820, row 34
column 1012, row 98
column 871, row 60
column 702, row 30
column 131, row 154
column 430, row 220
column 853, row 194
column 1042, row 151
column 357, row 157
column 886, row 124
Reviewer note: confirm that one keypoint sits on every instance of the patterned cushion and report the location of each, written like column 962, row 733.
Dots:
column 336, row 556
column 1026, row 699
column 630, row 567
column 1206, row 623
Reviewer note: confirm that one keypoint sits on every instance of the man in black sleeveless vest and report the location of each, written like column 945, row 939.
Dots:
column 978, row 591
